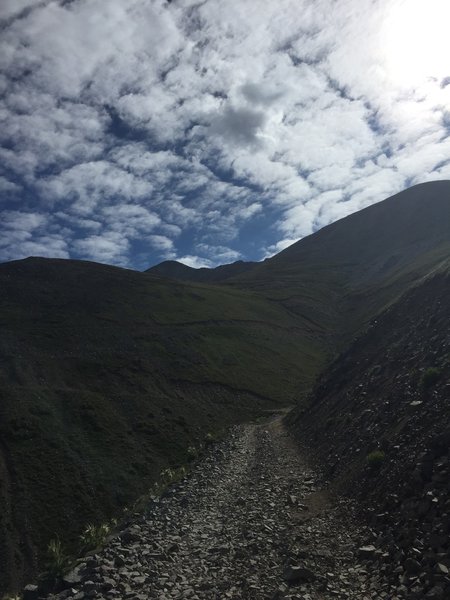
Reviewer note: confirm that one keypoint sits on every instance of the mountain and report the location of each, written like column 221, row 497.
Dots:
column 364, row 261
column 342, row 275
column 172, row 269
column 378, row 420
column 109, row 375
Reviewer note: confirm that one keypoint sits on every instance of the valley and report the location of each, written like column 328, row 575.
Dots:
column 110, row 376
column 253, row 520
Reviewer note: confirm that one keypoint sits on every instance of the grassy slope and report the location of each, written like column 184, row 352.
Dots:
column 344, row 274
column 108, row 375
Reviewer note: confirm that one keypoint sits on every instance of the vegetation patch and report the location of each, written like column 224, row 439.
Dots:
column 57, row 563
column 375, row 459
column 430, row 377
column 94, row 536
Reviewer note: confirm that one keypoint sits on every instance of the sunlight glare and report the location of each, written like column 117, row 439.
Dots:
column 416, row 40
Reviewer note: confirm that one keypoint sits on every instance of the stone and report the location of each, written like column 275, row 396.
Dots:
column 128, row 536
column 436, row 593
column 367, row 552
column 441, row 569
column 294, row 574
column 72, row 579
column 412, row 566
column 246, row 534
column 30, row 592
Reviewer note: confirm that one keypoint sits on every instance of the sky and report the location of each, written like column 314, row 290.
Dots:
column 211, row 131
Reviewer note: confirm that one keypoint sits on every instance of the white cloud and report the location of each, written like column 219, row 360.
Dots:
column 11, row 8
column 161, row 242
column 196, row 262
column 83, row 224
column 250, row 210
column 88, row 185
column 23, row 221
column 219, row 254
column 137, row 121
column 279, row 246
column 130, row 219
column 8, row 186
column 50, row 246
column 23, row 234
column 111, row 247
column 425, row 158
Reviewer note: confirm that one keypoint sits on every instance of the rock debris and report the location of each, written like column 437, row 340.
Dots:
column 251, row 521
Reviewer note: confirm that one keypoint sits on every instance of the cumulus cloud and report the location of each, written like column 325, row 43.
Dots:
column 196, row 262
column 111, row 247
column 279, row 246
column 88, row 185
column 161, row 242
column 168, row 129
column 12, row 8
column 27, row 234
column 50, row 246
column 239, row 126
column 8, row 186
column 218, row 254
column 130, row 219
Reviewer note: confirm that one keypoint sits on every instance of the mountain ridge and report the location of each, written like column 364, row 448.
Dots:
column 109, row 375
column 173, row 269
column 322, row 274
column 436, row 191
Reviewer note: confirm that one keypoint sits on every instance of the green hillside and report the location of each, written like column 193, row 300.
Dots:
column 347, row 272
column 341, row 276
column 108, row 375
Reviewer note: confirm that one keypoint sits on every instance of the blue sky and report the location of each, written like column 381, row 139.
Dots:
column 211, row 131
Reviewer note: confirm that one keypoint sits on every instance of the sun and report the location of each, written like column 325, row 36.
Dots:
column 416, row 40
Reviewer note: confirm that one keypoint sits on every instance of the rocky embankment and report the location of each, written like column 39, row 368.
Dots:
column 251, row 521
column 379, row 421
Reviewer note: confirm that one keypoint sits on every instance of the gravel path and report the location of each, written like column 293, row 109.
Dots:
column 249, row 522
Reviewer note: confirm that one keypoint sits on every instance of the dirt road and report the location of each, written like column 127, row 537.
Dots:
column 251, row 521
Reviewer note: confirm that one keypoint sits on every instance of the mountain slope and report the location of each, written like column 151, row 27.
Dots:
column 350, row 270
column 344, row 274
column 180, row 272
column 388, row 394
column 107, row 376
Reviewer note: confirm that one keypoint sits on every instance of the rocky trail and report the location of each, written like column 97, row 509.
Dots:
column 251, row 521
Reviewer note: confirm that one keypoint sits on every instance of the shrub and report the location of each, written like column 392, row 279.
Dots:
column 430, row 377
column 95, row 535
column 58, row 562
column 210, row 438
column 192, row 453
column 375, row 459
column 167, row 476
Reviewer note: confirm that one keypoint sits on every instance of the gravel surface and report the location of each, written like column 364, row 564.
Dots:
column 251, row 521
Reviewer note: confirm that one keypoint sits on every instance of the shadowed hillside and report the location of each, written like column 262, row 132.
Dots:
column 108, row 375
column 172, row 269
column 342, row 275
column 379, row 421
column 360, row 264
